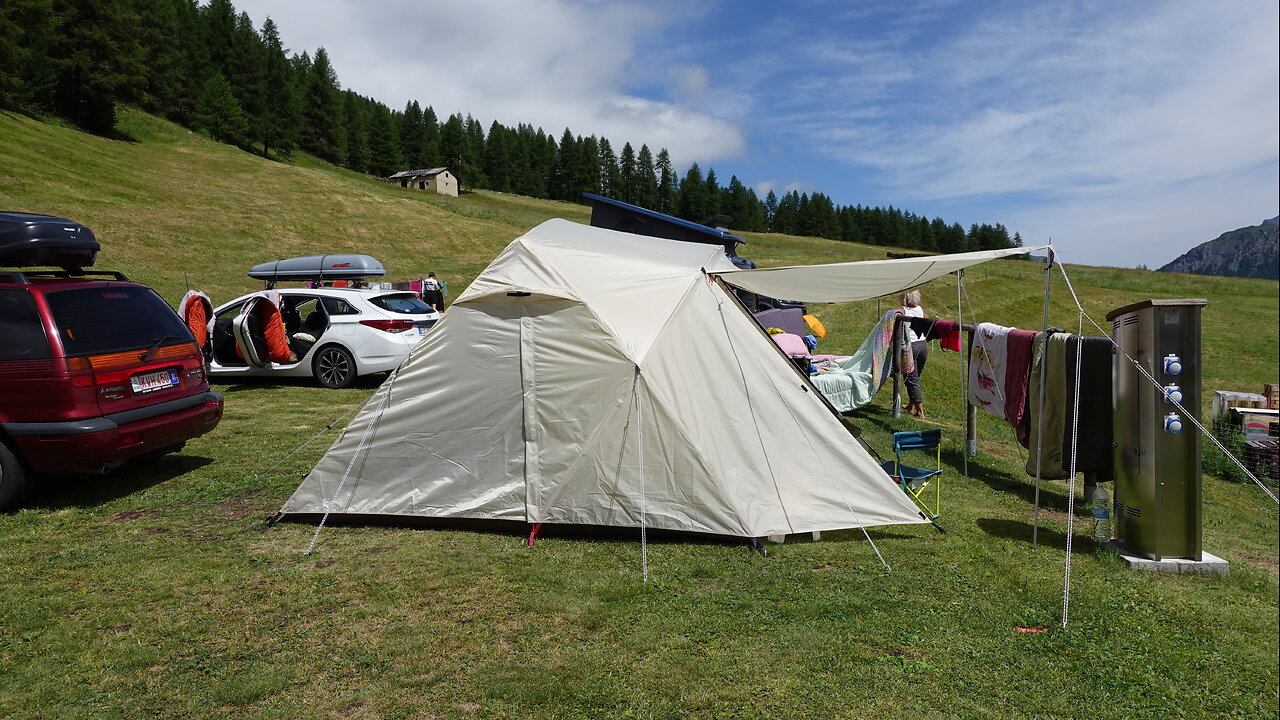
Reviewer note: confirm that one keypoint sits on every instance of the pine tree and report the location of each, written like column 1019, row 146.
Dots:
column 711, row 199
column 323, row 130
column 355, row 121
column 26, row 76
column 666, row 183
column 610, row 172
column 97, row 59
column 160, row 38
column 430, row 139
column 737, row 204
column 452, row 137
column 278, row 129
column 771, row 212
column 630, row 179
column 498, row 165
column 646, row 190
column 692, row 202
column 385, row 156
column 563, row 180
column 588, row 170
column 219, row 114
column 473, row 154
column 412, row 136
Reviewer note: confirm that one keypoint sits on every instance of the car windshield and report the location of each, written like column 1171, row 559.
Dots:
column 99, row 320
column 406, row 304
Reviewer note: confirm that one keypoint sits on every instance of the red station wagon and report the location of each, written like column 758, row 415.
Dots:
column 95, row 370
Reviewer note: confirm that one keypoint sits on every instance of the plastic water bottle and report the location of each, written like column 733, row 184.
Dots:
column 1101, row 506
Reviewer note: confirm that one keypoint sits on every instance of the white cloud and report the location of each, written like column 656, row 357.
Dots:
column 1136, row 130
column 551, row 63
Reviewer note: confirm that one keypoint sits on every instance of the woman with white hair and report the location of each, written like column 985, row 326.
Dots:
column 919, row 351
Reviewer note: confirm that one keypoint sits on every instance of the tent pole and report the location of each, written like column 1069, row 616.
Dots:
column 1044, row 349
column 970, row 430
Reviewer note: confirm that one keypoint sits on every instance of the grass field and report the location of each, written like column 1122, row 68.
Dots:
column 157, row 592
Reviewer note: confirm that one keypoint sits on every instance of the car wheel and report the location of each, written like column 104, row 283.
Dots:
column 13, row 479
column 334, row 367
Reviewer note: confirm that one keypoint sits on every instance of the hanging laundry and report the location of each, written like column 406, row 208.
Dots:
column 1094, row 451
column 1093, row 421
column 1046, row 422
column 922, row 327
column 906, row 358
column 854, row 380
column 1017, row 367
column 948, row 334
column 987, row 367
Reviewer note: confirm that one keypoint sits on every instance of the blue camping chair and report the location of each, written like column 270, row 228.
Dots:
column 913, row 480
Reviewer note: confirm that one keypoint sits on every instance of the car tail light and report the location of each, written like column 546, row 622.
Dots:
column 81, row 372
column 391, row 326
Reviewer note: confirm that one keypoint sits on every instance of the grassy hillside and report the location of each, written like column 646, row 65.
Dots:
column 154, row 592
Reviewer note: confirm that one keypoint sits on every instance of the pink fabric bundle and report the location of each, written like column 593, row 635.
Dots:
column 792, row 345
column 948, row 335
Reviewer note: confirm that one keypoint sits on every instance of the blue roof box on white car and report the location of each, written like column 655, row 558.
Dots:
column 316, row 268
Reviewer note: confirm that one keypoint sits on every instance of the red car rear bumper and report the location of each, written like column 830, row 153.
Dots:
column 105, row 442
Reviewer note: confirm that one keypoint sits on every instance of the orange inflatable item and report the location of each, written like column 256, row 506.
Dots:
column 198, row 322
column 195, row 310
column 273, row 329
column 815, row 326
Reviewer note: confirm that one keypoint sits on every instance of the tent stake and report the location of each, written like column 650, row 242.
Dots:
column 533, row 534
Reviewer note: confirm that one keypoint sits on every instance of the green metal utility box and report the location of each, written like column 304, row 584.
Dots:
column 1157, row 447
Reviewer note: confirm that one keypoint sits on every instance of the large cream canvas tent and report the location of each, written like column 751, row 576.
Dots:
column 602, row 378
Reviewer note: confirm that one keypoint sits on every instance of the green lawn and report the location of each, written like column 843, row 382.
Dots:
column 157, row 592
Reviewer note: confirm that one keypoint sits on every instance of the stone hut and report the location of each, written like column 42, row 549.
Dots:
column 435, row 179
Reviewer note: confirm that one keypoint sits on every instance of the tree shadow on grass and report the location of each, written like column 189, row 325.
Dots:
column 59, row 491
column 1049, row 537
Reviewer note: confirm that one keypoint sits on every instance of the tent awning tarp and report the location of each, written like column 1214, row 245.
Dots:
column 852, row 281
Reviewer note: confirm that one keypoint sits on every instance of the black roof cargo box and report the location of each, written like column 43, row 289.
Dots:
column 29, row 239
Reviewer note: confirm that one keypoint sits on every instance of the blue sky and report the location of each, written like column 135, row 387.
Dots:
column 1125, row 132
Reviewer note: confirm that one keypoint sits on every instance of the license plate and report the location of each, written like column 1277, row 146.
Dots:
column 150, row 382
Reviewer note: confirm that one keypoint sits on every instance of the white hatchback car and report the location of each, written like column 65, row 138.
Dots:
column 334, row 334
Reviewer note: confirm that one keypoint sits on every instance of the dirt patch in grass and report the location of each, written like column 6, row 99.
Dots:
column 240, row 506
column 1269, row 563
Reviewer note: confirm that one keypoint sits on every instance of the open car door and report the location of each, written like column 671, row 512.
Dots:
column 259, row 331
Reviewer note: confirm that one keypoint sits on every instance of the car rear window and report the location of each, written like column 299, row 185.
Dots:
column 100, row 320
column 20, row 327
column 408, row 304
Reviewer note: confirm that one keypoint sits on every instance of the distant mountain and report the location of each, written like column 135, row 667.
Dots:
column 1247, row 252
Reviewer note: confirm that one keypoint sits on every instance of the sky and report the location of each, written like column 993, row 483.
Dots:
column 1122, row 133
